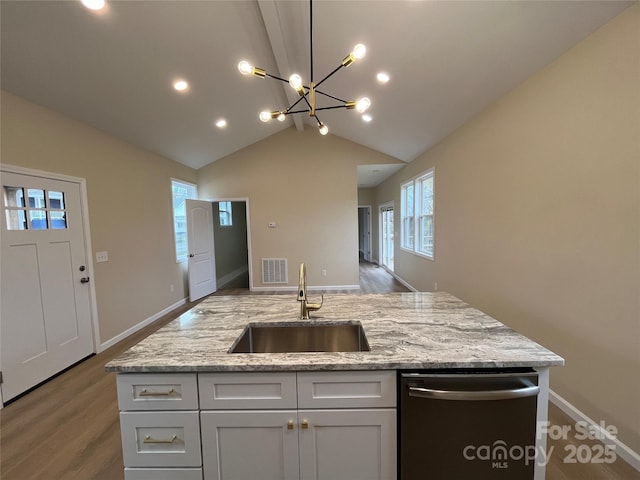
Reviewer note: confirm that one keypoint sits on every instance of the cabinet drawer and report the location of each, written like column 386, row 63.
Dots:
column 162, row 474
column 160, row 439
column 238, row 391
column 358, row 389
column 157, row 391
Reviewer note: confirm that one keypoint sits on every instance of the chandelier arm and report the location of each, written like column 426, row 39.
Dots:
column 296, row 111
column 293, row 105
column 331, row 96
column 276, row 77
column 307, row 102
column 327, row 77
column 330, row 108
column 311, row 40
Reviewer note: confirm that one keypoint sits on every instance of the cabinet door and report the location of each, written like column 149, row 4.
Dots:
column 239, row 445
column 160, row 439
column 348, row 444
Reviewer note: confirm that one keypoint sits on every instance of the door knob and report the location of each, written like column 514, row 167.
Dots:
column 191, row 255
column 84, row 280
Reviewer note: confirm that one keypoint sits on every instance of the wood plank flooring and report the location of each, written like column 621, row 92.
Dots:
column 68, row 428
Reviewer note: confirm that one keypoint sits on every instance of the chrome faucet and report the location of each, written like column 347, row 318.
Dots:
column 306, row 307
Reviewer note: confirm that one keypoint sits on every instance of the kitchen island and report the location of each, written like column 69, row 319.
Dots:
column 405, row 331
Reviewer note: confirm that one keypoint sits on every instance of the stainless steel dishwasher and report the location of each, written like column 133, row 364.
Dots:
column 467, row 424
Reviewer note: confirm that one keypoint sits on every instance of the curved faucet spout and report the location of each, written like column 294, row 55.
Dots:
column 305, row 306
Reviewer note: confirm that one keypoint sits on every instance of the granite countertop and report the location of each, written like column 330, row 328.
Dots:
column 404, row 330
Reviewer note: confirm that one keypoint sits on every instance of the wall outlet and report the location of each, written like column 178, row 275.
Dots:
column 435, row 287
column 324, row 272
column 102, row 257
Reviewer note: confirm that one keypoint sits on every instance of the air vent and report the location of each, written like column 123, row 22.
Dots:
column 274, row 270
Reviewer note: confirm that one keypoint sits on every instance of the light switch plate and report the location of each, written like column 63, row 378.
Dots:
column 102, row 257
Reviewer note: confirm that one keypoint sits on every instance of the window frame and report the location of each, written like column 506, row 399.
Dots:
column 411, row 215
column 188, row 185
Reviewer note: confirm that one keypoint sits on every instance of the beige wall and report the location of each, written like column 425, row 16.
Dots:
column 130, row 208
column 538, row 219
column 307, row 184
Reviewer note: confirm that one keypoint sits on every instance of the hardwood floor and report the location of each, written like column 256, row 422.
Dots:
column 68, row 428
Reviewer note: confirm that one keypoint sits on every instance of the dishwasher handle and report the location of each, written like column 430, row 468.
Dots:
column 431, row 393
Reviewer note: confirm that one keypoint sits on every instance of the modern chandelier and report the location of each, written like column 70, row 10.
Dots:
column 309, row 92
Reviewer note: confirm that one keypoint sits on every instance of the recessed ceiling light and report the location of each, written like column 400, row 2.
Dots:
column 366, row 118
column 181, row 85
column 221, row 123
column 94, row 4
column 382, row 77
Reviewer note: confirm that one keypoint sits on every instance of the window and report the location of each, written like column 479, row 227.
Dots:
column 226, row 215
column 181, row 191
column 416, row 213
column 34, row 213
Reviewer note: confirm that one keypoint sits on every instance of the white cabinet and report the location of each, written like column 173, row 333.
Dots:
column 249, row 445
column 348, row 444
column 160, row 426
column 259, row 425
column 311, row 439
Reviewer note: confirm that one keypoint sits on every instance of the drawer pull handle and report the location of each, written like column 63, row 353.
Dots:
column 148, row 439
column 145, row 393
column 304, row 424
column 290, row 425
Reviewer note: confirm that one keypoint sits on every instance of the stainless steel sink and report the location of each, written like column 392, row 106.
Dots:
column 301, row 337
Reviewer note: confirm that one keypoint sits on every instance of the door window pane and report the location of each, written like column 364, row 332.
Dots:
column 58, row 220
column 37, row 219
column 36, row 198
column 13, row 197
column 15, row 220
column 56, row 200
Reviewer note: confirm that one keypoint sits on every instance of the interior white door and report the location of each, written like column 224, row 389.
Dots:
column 202, row 262
column 45, row 314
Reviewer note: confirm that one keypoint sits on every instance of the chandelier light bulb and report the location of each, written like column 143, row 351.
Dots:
column 359, row 51
column 94, row 4
column 245, row 67
column 281, row 117
column 323, row 129
column 295, row 81
column 363, row 104
column 265, row 116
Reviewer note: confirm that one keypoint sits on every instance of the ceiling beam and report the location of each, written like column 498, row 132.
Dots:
column 272, row 23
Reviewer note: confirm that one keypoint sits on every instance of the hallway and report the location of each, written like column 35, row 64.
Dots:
column 373, row 279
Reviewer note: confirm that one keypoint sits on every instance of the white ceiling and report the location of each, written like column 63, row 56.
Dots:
column 447, row 61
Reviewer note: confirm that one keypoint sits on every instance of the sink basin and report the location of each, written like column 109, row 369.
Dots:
column 301, row 337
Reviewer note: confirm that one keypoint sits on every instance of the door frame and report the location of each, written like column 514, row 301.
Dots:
column 249, row 256
column 369, row 251
column 84, row 208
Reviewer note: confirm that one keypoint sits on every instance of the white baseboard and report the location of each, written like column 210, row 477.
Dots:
column 400, row 279
column 622, row 450
column 130, row 331
column 229, row 277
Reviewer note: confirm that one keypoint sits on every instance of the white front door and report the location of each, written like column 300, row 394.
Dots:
column 202, row 267
column 46, row 314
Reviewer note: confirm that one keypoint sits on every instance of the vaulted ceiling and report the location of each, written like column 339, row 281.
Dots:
column 115, row 69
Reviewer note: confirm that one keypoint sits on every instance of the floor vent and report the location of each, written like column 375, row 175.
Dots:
column 274, row 270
